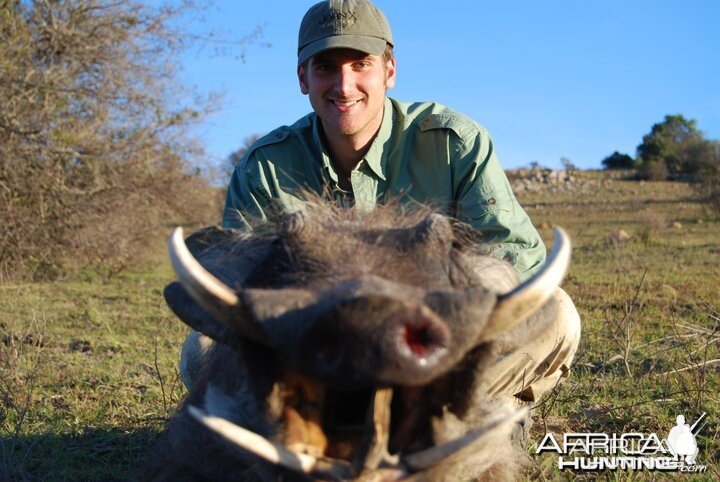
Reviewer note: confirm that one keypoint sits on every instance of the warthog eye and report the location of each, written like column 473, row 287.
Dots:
column 329, row 356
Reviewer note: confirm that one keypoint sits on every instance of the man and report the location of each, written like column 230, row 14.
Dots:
column 366, row 147
column 362, row 148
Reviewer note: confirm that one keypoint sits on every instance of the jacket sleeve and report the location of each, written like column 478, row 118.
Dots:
column 247, row 195
column 484, row 199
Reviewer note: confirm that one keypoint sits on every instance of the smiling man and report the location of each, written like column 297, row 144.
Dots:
column 360, row 147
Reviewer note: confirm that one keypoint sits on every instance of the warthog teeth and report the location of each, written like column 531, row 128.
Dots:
column 271, row 451
column 432, row 456
column 338, row 470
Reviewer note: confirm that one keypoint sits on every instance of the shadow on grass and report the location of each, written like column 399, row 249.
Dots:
column 632, row 203
column 96, row 454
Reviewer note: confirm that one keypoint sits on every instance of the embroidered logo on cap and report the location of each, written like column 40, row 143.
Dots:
column 338, row 19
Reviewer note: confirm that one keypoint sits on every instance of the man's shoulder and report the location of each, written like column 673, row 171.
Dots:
column 428, row 116
column 279, row 140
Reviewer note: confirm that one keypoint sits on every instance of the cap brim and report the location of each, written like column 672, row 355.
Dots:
column 369, row 45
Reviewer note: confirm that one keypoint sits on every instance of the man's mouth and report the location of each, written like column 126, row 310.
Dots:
column 344, row 104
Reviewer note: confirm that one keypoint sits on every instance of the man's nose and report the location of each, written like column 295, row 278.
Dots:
column 345, row 81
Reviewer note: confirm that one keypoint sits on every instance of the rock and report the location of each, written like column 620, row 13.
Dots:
column 619, row 236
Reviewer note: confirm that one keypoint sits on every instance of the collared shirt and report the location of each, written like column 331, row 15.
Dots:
column 423, row 152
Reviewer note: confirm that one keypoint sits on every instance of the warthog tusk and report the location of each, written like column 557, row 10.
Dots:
column 432, row 456
column 254, row 443
column 522, row 301
column 196, row 279
column 208, row 291
column 271, row 451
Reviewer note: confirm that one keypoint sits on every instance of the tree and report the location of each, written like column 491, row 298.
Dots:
column 700, row 157
column 617, row 160
column 95, row 155
column 668, row 144
column 706, row 155
column 567, row 164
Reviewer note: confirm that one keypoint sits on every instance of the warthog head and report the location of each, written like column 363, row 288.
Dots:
column 348, row 347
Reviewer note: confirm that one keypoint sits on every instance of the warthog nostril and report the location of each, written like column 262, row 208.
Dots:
column 423, row 337
column 419, row 339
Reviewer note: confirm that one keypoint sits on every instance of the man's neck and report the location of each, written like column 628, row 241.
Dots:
column 346, row 151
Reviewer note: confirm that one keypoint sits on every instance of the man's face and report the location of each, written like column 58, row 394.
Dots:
column 347, row 90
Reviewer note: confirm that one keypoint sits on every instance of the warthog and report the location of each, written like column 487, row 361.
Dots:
column 348, row 347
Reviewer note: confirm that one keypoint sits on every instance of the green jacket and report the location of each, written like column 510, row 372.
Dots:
column 424, row 152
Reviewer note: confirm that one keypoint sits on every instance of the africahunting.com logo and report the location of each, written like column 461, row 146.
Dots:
column 594, row 452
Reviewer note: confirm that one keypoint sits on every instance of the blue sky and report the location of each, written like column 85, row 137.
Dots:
column 576, row 79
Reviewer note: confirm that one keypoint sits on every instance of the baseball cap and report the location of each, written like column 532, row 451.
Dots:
column 336, row 24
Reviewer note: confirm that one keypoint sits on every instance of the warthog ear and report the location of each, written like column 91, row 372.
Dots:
column 435, row 230
column 190, row 313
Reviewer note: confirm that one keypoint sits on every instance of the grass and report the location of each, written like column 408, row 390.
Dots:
column 82, row 361
column 650, row 315
column 88, row 365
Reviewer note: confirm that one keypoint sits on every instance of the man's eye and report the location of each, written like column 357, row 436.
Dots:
column 362, row 65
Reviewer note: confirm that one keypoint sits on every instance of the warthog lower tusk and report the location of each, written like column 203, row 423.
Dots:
column 254, row 443
column 271, row 451
column 432, row 456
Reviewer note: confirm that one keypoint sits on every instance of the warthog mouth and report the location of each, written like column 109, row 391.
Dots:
column 350, row 434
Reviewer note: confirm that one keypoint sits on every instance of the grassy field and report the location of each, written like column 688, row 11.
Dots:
column 650, row 313
column 88, row 364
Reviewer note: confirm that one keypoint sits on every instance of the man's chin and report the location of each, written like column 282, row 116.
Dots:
column 347, row 131
column 343, row 127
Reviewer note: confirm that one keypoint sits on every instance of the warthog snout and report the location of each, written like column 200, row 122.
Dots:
column 374, row 340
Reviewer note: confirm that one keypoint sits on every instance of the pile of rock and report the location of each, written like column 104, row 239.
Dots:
column 537, row 178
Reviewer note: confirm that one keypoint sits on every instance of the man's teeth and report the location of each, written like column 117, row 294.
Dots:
column 345, row 103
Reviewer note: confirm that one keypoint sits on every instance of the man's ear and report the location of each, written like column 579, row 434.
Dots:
column 390, row 73
column 302, row 78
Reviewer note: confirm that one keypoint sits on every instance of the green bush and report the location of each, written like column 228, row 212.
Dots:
column 709, row 174
column 653, row 171
column 676, row 149
column 617, row 160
